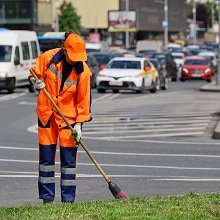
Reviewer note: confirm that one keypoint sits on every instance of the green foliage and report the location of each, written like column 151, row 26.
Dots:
column 68, row 19
column 187, row 207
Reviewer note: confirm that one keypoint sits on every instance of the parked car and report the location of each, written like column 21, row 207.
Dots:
column 94, row 68
column 196, row 67
column 163, row 79
column 128, row 73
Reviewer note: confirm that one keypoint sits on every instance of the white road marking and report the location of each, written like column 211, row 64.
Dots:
column 103, row 97
column 190, row 179
column 12, row 96
column 78, row 176
column 142, row 131
column 26, row 103
column 113, row 96
column 127, row 127
column 123, row 165
column 120, row 176
column 123, row 153
column 136, row 137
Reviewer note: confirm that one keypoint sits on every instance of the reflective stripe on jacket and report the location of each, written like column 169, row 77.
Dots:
column 73, row 100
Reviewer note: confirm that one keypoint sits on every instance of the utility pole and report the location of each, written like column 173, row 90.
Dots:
column 218, row 75
column 194, row 23
column 127, row 25
column 165, row 22
column 213, row 14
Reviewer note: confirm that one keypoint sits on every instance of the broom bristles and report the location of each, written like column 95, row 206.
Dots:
column 122, row 195
column 116, row 191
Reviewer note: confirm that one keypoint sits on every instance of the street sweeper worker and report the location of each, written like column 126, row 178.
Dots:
column 65, row 75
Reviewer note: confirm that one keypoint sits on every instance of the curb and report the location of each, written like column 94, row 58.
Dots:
column 212, row 87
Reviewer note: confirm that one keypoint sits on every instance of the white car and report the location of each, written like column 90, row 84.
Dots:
column 128, row 73
column 178, row 58
column 212, row 56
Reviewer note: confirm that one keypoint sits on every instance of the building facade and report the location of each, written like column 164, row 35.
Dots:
column 43, row 16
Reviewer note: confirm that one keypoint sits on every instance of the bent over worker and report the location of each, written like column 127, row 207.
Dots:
column 66, row 77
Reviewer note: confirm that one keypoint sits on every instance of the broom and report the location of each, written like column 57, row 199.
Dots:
column 113, row 187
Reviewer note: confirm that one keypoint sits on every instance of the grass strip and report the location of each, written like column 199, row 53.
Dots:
column 187, row 207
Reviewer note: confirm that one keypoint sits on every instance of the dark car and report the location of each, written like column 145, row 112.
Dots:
column 170, row 65
column 94, row 68
column 104, row 57
column 167, row 60
column 162, row 73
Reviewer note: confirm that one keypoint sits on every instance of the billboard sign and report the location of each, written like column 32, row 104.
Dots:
column 119, row 21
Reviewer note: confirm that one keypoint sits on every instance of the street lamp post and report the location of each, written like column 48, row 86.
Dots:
column 194, row 22
column 165, row 23
column 127, row 28
column 218, row 75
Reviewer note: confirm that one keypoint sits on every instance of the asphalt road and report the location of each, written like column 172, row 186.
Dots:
column 149, row 144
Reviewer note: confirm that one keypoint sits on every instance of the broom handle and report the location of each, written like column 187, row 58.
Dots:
column 72, row 130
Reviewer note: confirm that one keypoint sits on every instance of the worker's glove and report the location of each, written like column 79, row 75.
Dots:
column 77, row 133
column 32, row 80
column 39, row 84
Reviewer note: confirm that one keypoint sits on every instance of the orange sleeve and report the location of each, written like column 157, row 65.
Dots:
column 83, row 96
column 41, row 66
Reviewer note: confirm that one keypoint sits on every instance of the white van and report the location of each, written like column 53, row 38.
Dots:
column 100, row 46
column 18, row 51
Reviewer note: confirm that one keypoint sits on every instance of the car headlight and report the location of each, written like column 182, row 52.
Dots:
column 3, row 74
column 185, row 70
column 102, row 76
column 207, row 70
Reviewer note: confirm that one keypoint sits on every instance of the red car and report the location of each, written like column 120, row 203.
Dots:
column 196, row 67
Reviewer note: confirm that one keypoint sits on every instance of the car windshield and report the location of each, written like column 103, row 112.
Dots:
column 5, row 53
column 197, row 62
column 155, row 63
column 177, row 57
column 102, row 58
column 124, row 64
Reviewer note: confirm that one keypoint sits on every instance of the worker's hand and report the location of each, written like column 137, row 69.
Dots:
column 39, row 84
column 32, row 80
column 77, row 134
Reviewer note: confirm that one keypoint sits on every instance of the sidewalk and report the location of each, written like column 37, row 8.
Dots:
column 212, row 87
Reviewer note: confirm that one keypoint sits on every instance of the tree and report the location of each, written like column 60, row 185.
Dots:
column 68, row 19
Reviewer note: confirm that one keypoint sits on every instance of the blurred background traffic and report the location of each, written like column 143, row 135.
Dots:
column 156, row 41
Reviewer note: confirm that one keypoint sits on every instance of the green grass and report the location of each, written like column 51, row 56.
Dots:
column 189, row 206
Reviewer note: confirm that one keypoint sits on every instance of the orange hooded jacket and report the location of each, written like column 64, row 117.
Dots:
column 73, row 100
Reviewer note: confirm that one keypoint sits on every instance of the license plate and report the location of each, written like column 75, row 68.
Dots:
column 196, row 75
column 115, row 83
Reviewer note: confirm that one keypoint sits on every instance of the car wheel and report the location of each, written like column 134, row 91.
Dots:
column 115, row 90
column 101, row 90
column 209, row 80
column 31, row 89
column 154, row 87
column 11, row 86
column 174, row 79
column 142, row 90
column 181, row 79
column 158, row 84
column 165, row 86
